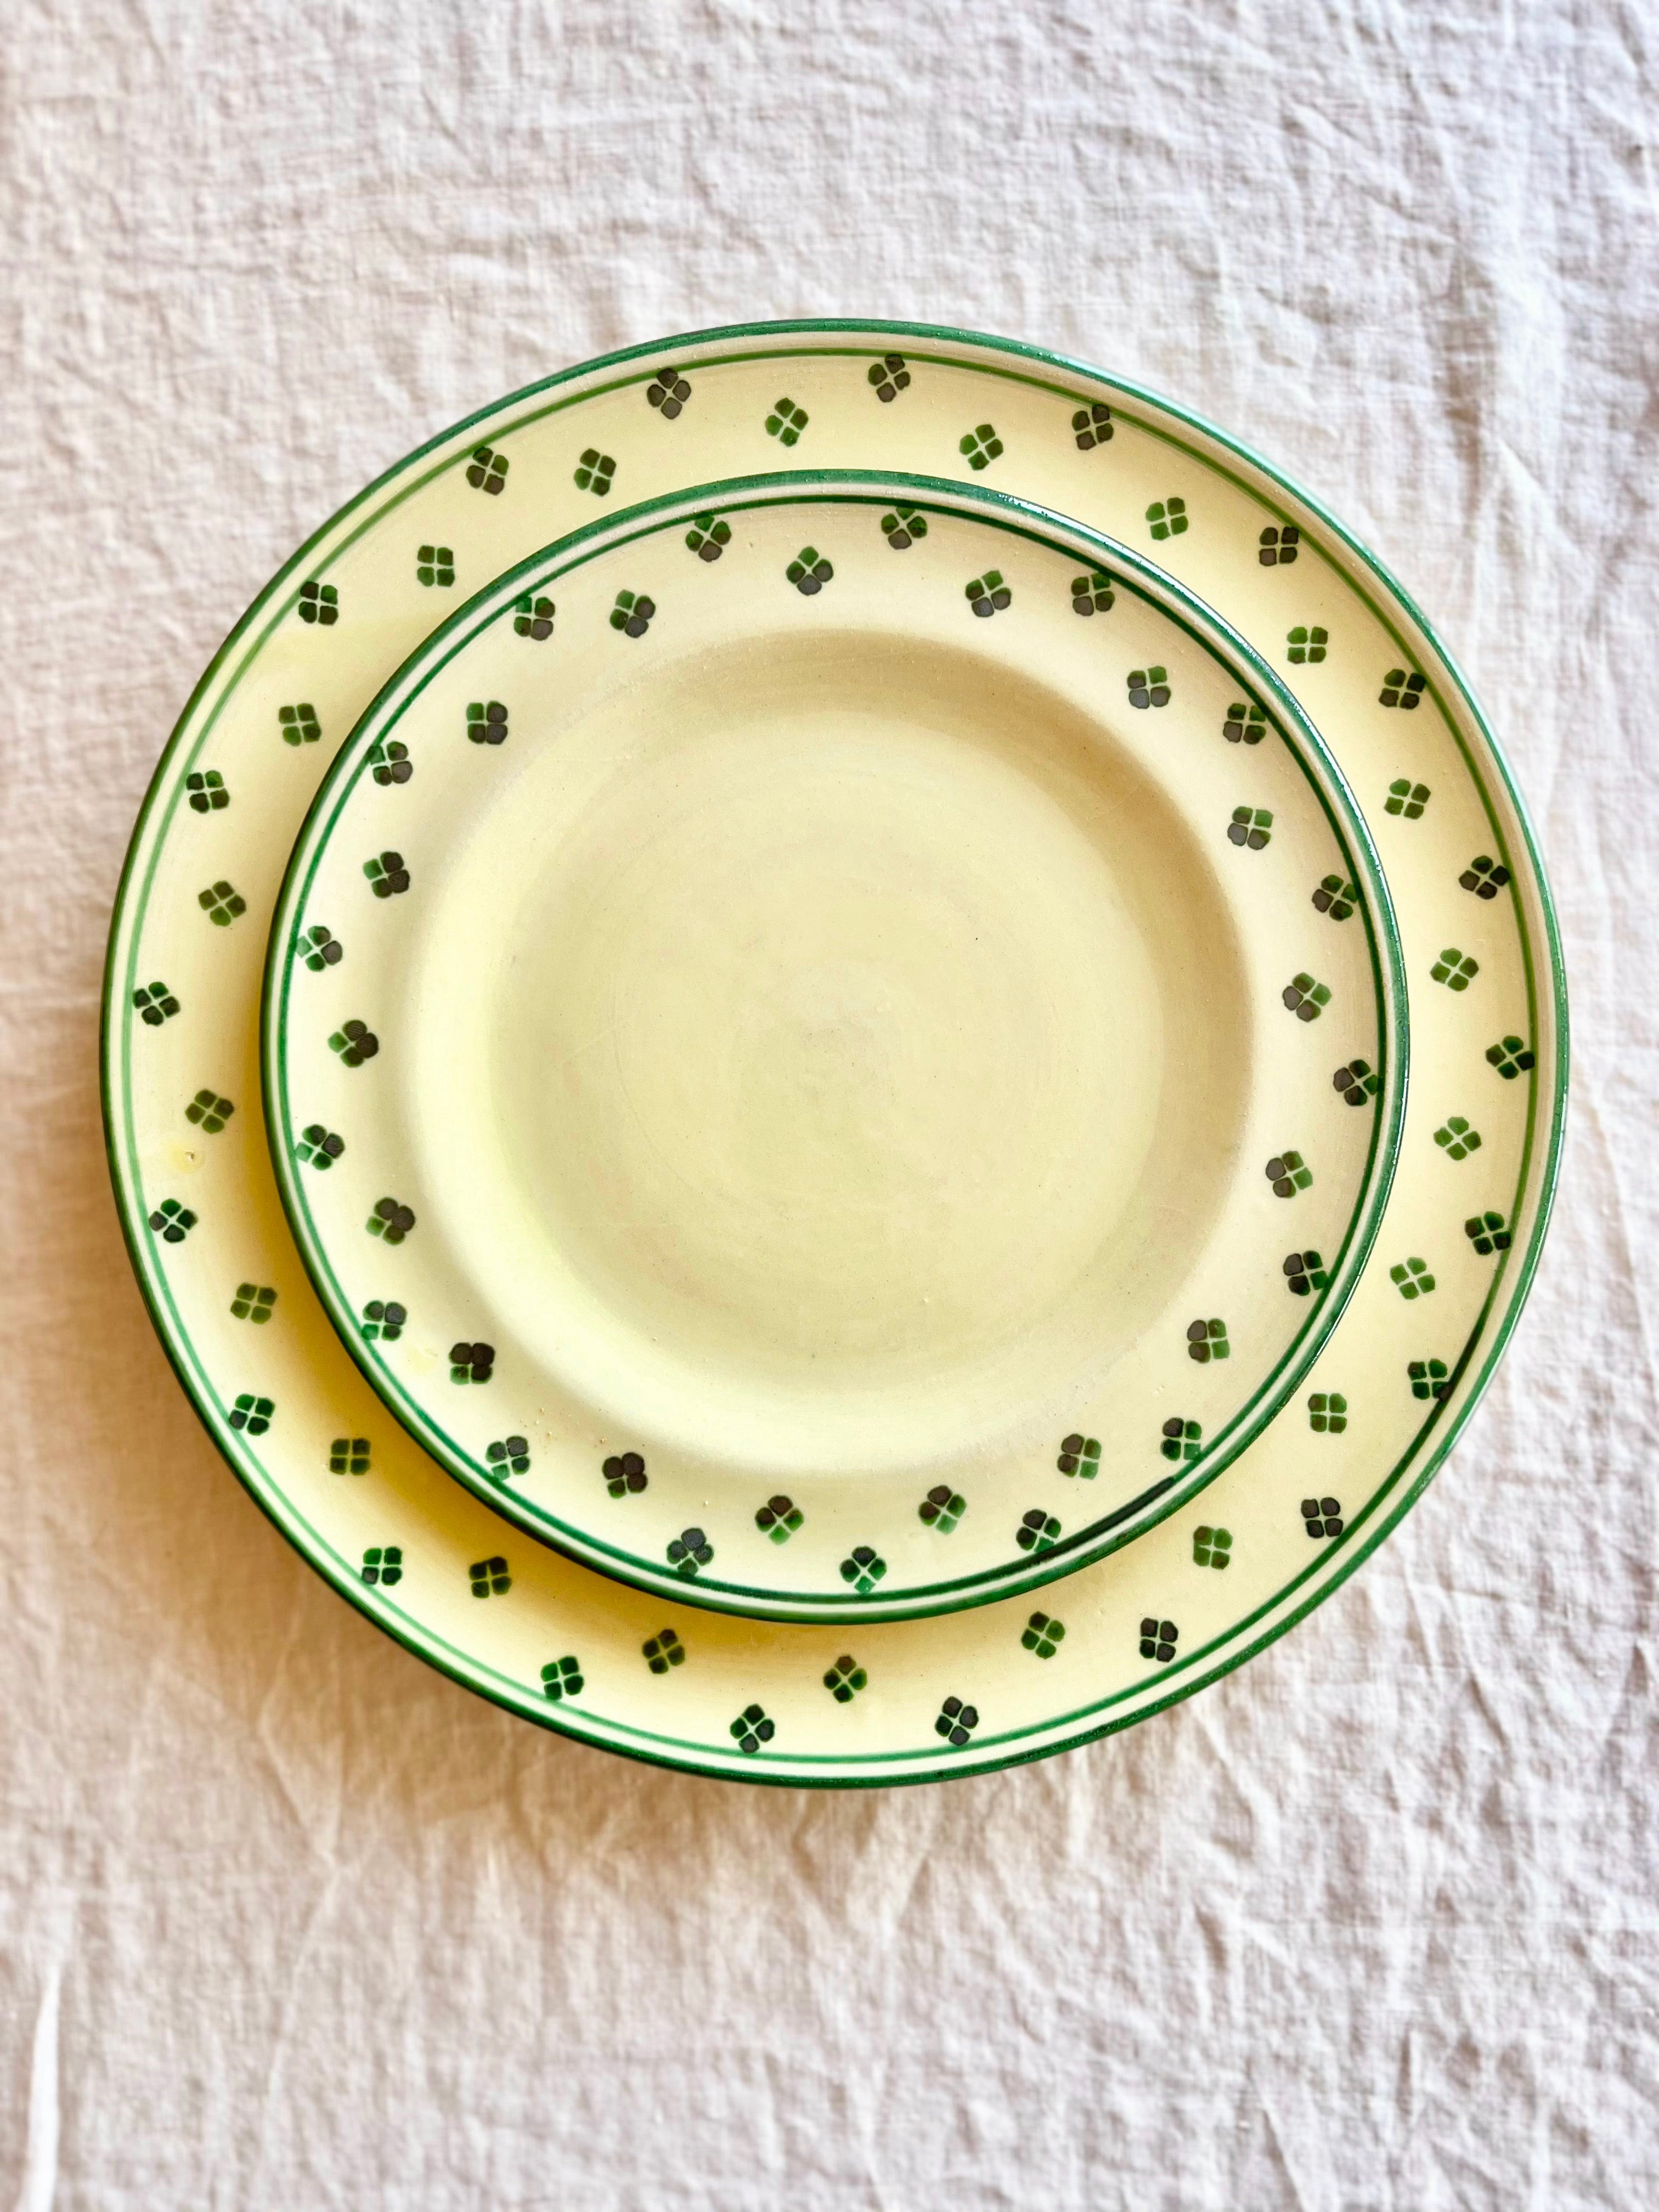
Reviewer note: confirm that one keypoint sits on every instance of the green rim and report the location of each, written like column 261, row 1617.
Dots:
column 1416, row 1467
column 1055, row 533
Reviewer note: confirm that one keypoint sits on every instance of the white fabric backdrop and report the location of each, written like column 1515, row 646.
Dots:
column 286, row 1921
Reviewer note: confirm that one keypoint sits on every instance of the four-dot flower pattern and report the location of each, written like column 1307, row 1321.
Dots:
column 1327, row 1412
column 299, row 725
column 708, row 537
column 903, row 526
column 624, row 1474
column 863, row 1568
column 489, row 1577
column 532, row 617
column 1486, row 1232
column 390, row 1221
column 383, row 1321
column 1180, row 1440
column 252, row 1416
column 389, row 762
column 486, row 722
column 171, row 1221
column 471, row 1363
column 751, row 1728
column 1411, row 1278
column 1212, row 1547
column 320, row 948
column 318, row 603
column 383, row 1564
column 942, row 1508
column 253, row 1302
column 845, row 1680
column 222, row 903
column 318, row 1148
column 507, row 1455
column 1400, row 689
column 1148, row 687
column 987, row 594
column 663, row 1650
column 1038, row 1532
column 1456, row 1138
column 1092, row 426
column 1305, row 998
column 1168, row 518
column 1080, row 1455
column 980, row 447
column 1245, row 724
column 207, row 791
column 348, row 1456
column 632, row 613
column 1456, row 970
column 1406, row 799
column 1510, row 1056
column 1335, row 896
column 786, row 422
column 668, row 392
column 1303, row 644
column 356, row 1042
column 155, row 1004
column 1207, row 1340
column 779, row 1518
column 1484, row 876
column 594, row 472
column 1288, row 1173
column 1357, row 1081
column 1277, row 548
column 1251, row 827
column 1304, row 1272
column 487, row 470
column 1159, row 1639
column 1428, row 1378
column 561, row 1679
column 1042, row 1634
column 889, row 376
column 386, row 874
column 434, row 564
column 809, row 572
column 688, row 1550
column 1092, row 593
column 210, row 1112
column 1321, row 1517
column 956, row 1722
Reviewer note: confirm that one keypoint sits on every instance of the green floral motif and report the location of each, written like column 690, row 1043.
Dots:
column 210, row 1112
column 207, row 791
column 434, row 564
column 624, row 1474
column 903, row 526
column 252, row 1415
column 383, row 1564
column 253, row 1302
column 1288, row 1173
column 1321, row 1517
column 1092, row 593
column 318, row 1148
column 1181, row 1440
column 889, row 376
column 532, row 617
column 1456, row 970
column 708, row 537
column 383, row 1321
column 1406, row 798
column 942, row 1508
column 471, row 1363
column 786, row 422
column 171, row 1221
column 862, row 1568
column 1411, row 1278
column 688, row 1550
column 348, row 1456
column 845, row 1680
column 486, row 722
column 594, row 472
column 489, row 1577
column 1159, row 1639
column 391, row 1220
column 1304, row 1272
column 809, row 572
column 1357, row 1081
column 632, row 613
column 751, row 1728
column 1428, row 1378
column 221, row 903
column 320, row 948
column 1487, row 1233
column 487, row 470
column 1303, row 644
column 1277, row 548
column 663, row 1650
column 1327, row 1412
column 779, row 1518
column 299, row 725
column 389, row 762
column 1335, row 896
column 386, row 874
column 1038, row 1532
column 1080, row 1455
column 1306, row 999
column 956, row 1722
column 1245, row 724
column 155, row 1004
column 1208, row 1341
column 1168, row 518
column 668, row 392
column 507, row 1456
column 1484, row 876
column 1042, row 1634
column 1148, row 687
column 1092, row 426
column 1510, row 1056
column 561, row 1679
column 356, row 1042
column 1400, row 689
column 1251, row 827
column 318, row 603
column 980, row 447
column 1456, row 1138
column 1212, row 1547
column 987, row 594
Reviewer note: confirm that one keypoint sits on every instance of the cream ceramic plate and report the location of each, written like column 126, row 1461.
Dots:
column 987, row 1685
column 826, row 1104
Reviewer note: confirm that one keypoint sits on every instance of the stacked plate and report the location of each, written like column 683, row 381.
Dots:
column 758, row 1046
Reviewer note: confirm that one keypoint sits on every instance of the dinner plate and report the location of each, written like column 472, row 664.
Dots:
column 831, row 1064
column 985, row 1686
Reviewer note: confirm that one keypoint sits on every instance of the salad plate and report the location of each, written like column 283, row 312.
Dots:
column 838, row 1096
column 987, row 1685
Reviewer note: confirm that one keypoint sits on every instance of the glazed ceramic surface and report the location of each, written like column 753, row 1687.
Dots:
column 1279, row 1529
column 831, row 1102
